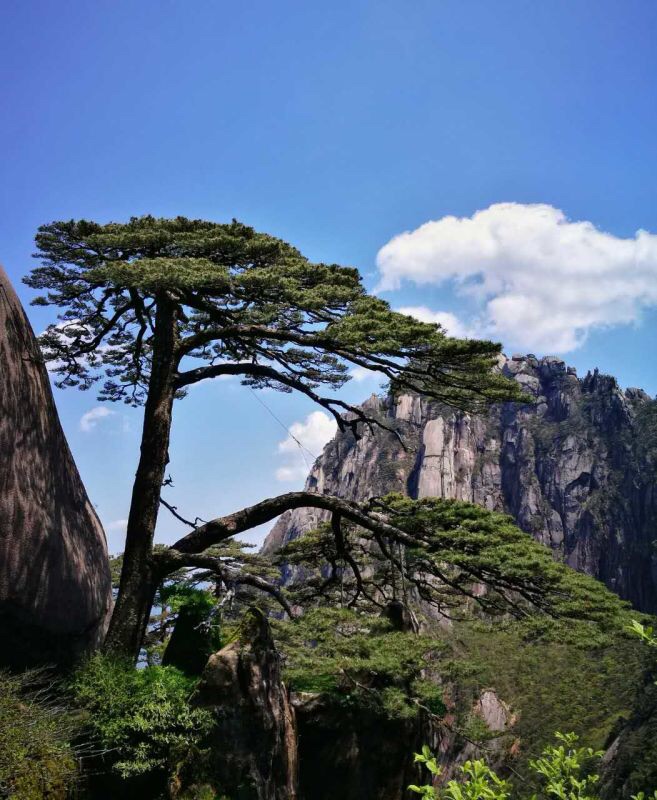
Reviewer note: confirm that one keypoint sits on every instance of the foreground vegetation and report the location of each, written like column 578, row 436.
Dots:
column 398, row 634
column 406, row 609
column 38, row 757
column 135, row 725
column 561, row 769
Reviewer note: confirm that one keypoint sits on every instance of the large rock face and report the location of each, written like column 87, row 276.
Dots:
column 354, row 753
column 265, row 745
column 55, row 588
column 571, row 468
column 253, row 746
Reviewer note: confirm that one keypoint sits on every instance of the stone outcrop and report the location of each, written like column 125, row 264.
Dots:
column 572, row 467
column 252, row 747
column 265, row 745
column 350, row 753
column 55, row 586
column 452, row 751
column 353, row 753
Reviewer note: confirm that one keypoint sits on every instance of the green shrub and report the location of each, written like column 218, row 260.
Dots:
column 645, row 633
column 548, row 685
column 37, row 762
column 562, row 770
column 142, row 716
column 359, row 659
column 479, row 781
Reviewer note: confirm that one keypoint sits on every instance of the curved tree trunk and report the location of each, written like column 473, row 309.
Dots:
column 139, row 577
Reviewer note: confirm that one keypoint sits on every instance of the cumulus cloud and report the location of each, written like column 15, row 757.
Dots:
column 448, row 321
column 543, row 281
column 305, row 442
column 362, row 374
column 90, row 419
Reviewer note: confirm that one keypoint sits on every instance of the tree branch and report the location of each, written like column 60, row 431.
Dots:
column 221, row 528
column 265, row 371
column 170, row 561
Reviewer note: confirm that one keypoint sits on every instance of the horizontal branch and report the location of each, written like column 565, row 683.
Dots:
column 248, row 368
column 438, row 380
column 222, row 528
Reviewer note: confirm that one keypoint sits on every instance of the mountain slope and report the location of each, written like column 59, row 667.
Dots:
column 572, row 467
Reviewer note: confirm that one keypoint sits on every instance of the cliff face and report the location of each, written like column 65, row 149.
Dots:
column 55, row 588
column 571, row 467
column 252, row 749
column 352, row 753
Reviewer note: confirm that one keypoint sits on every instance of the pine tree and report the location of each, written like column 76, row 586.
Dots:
column 153, row 306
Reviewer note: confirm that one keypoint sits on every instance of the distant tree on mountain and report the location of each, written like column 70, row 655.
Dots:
column 153, row 306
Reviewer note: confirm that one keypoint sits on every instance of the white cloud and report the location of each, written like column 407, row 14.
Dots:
column 543, row 281
column 90, row 419
column 118, row 525
column 312, row 434
column 362, row 374
column 448, row 321
column 291, row 473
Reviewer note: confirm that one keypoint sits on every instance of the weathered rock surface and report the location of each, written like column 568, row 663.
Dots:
column 571, row 468
column 452, row 751
column 252, row 748
column 55, row 587
column 353, row 753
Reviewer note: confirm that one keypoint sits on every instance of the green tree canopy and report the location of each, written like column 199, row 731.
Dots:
column 153, row 306
column 456, row 558
column 245, row 303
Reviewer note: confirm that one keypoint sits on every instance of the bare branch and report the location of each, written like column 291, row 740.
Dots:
column 221, row 528
column 174, row 511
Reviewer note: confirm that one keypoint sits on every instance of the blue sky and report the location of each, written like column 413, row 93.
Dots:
column 338, row 127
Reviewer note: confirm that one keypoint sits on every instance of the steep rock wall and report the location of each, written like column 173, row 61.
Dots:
column 55, row 588
column 353, row 753
column 571, row 468
column 253, row 744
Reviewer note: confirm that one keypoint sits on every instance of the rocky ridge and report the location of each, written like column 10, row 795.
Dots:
column 571, row 467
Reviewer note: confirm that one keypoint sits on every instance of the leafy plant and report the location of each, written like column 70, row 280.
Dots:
column 644, row 632
column 562, row 768
column 479, row 781
column 141, row 716
column 37, row 760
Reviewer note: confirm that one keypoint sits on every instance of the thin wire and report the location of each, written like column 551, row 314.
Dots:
column 301, row 446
